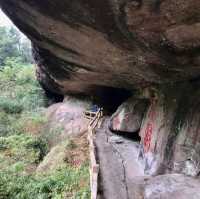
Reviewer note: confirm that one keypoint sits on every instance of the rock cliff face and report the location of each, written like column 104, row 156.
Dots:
column 170, row 132
column 83, row 45
column 95, row 46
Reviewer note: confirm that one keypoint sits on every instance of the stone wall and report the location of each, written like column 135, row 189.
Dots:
column 170, row 132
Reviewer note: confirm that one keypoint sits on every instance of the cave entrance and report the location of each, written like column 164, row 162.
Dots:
column 110, row 98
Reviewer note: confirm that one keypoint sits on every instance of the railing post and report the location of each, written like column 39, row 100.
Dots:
column 94, row 166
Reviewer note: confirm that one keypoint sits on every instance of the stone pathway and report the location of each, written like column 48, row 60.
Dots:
column 119, row 165
column 122, row 176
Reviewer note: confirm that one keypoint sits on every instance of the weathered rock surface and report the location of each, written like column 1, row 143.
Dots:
column 129, row 115
column 170, row 132
column 122, row 174
column 174, row 186
column 66, row 119
column 83, row 45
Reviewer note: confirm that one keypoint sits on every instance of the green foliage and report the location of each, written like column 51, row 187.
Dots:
column 19, row 88
column 21, row 99
column 14, row 46
column 10, row 106
column 23, row 148
column 53, row 135
column 6, row 121
column 8, row 44
column 63, row 183
column 22, row 141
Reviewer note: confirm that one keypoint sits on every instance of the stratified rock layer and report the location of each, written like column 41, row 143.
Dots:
column 82, row 45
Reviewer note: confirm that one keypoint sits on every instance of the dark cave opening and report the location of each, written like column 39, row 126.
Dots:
column 110, row 98
column 52, row 97
column 130, row 136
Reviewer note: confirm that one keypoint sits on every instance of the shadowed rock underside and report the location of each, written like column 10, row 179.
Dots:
column 83, row 45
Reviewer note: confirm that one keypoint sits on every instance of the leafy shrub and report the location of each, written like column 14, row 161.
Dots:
column 24, row 148
column 3, row 143
column 64, row 183
column 40, row 145
column 4, row 123
column 19, row 86
column 53, row 136
column 32, row 123
column 21, row 98
column 10, row 106
column 21, row 146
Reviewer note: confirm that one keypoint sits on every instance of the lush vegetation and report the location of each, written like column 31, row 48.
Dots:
column 63, row 183
column 23, row 145
column 13, row 46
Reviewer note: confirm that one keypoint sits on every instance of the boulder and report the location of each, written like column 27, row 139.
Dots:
column 66, row 119
column 174, row 186
column 129, row 115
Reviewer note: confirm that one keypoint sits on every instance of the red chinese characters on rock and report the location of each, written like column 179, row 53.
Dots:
column 147, row 137
column 149, row 129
